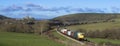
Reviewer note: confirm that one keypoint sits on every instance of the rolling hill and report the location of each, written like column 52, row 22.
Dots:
column 84, row 18
column 3, row 17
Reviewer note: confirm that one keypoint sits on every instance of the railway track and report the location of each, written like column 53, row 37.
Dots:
column 70, row 38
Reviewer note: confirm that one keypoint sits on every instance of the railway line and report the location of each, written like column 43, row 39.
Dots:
column 82, row 43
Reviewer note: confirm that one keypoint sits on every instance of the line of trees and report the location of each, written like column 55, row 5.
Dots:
column 24, row 26
column 106, row 34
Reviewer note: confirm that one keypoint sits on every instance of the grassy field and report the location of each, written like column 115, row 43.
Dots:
column 96, row 26
column 20, row 39
column 99, row 40
column 99, row 26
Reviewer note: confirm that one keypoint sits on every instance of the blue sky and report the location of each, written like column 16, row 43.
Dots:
column 53, row 8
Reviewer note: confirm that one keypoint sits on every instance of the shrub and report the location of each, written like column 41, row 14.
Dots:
column 108, row 33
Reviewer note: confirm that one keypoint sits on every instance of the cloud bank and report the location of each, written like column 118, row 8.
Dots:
column 30, row 7
column 35, row 7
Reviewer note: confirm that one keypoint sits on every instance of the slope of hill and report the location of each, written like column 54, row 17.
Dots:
column 82, row 16
column 86, row 18
column 3, row 17
column 97, row 27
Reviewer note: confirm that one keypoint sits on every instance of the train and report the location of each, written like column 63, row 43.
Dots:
column 73, row 34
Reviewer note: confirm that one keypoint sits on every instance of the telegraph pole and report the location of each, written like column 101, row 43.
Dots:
column 41, row 29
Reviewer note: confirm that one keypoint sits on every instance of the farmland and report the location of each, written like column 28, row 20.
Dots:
column 100, row 27
column 97, row 26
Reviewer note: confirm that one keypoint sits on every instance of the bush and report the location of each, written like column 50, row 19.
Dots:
column 23, row 27
column 108, row 33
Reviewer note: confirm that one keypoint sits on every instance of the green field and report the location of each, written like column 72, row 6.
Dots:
column 99, row 26
column 99, row 40
column 20, row 39
column 96, row 26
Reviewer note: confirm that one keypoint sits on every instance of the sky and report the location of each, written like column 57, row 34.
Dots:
column 53, row 8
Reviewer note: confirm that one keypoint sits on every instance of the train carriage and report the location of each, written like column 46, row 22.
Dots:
column 69, row 33
column 63, row 30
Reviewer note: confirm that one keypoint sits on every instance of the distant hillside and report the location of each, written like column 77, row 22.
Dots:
column 3, row 17
column 86, row 18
